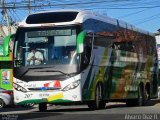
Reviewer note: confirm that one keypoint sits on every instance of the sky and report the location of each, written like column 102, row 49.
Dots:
column 144, row 14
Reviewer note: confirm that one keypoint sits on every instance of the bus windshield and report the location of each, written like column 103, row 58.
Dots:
column 53, row 49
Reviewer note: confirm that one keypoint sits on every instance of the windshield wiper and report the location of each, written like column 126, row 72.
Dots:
column 55, row 71
column 33, row 68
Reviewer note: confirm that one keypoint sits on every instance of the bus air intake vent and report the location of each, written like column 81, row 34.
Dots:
column 51, row 17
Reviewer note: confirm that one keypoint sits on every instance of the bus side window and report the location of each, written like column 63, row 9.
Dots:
column 130, row 46
column 125, row 46
column 85, row 56
column 103, row 41
column 88, row 49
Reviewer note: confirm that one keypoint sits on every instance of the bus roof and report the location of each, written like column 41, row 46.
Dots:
column 67, row 17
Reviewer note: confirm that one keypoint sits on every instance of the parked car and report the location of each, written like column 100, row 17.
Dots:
column 6, row 97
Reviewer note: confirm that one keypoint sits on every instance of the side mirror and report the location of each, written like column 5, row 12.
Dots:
column 80, row 42
column 6, row 44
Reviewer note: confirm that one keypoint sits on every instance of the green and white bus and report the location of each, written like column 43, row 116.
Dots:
column 87, row 58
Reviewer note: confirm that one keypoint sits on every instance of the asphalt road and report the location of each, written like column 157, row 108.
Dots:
column 113, row 111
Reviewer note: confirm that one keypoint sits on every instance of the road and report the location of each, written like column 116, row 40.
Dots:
column 113, row 111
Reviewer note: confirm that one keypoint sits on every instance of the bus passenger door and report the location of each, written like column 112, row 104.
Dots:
column 86, row 56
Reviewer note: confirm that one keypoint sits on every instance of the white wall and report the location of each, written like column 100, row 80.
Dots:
column 158, row 48
column 158, row 39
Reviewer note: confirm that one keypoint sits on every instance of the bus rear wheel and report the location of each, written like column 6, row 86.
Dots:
column 146, row 96
column 42, row 107
column 140, row 100
column 97, row 103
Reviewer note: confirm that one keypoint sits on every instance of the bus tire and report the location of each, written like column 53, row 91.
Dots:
column 95, row 104
column 143, row 96
column 102, row 105
column 140, row 99
column 129, row 103
column 42, row 107
column 146, row 96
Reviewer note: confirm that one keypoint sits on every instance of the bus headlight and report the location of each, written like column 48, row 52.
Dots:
column 71, row 86
column 19, row 88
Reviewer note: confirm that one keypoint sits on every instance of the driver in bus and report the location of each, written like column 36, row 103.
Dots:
column 35, row 57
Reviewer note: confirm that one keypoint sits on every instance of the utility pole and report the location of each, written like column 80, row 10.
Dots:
column 6, row 17
column 28, row 7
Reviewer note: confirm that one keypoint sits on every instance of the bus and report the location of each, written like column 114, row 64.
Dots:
column 86, row 58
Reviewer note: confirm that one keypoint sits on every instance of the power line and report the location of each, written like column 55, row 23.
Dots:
column 133, row 13
column 140, row 7
column 44, row 5
column 112, row 4
column 153, row 17
column 74, row 4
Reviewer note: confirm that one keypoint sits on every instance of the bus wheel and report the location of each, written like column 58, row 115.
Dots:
column 129, row 103
column 146, row 96
column 95, row 104
column 2, row 104
column 42, row 107
column 140, row 100
column 102, row 105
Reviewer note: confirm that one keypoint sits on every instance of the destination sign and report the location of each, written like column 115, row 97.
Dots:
column 46, row 33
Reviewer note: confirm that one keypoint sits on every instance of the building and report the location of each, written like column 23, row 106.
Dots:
column 158, row 52
column 158, row 47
